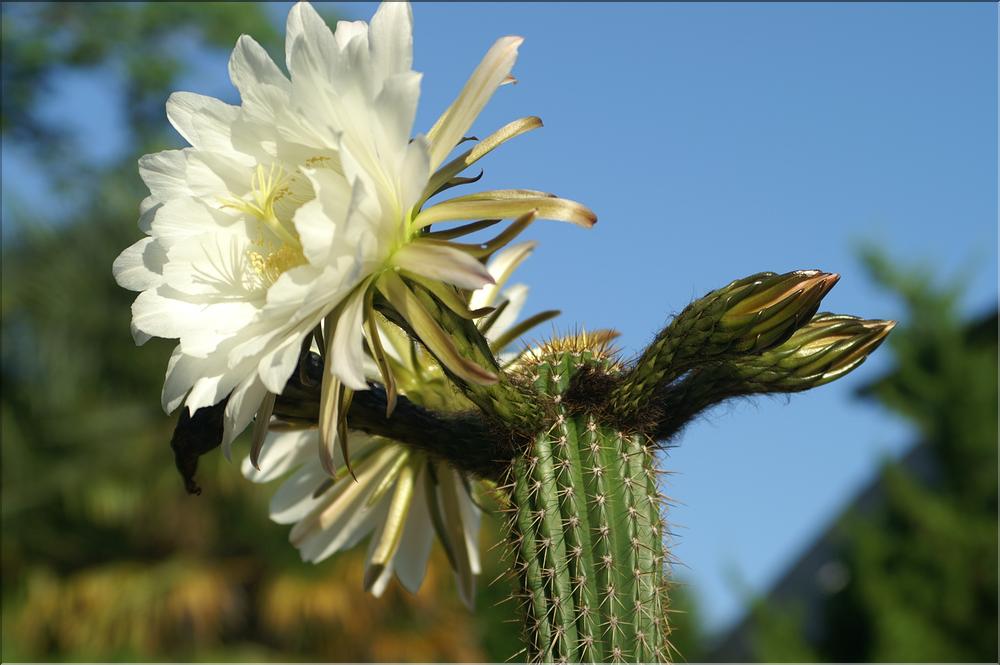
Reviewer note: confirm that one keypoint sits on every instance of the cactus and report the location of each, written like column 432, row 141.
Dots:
column 585, row 527
column 570, row 433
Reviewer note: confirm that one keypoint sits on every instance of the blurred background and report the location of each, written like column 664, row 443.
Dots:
column 854, row 523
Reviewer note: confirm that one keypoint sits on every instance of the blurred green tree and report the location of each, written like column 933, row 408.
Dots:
column 104, row 556
column 917, row 566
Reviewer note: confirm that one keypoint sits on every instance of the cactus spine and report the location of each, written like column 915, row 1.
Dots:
column 586, row 529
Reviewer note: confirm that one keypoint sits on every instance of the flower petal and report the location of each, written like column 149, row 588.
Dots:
column 418, row 538
column 204, row 122
column 140, row 266
column 296, row 497
column 348, row 343
column 240, row 409
column 516, row 296
column 282, row 452
column 275, row 367
column 452, row 495
column 506, row 204
column 481, row 149
column 180, row 377
column 458, row 118
column 439, row 261
column 503, row 264
column 391, row 37
column 387, row 539
column 317, row 220
column 306, row 29
column 414, row 173
column 346, row 518
column 471, row 517
column 263, row 88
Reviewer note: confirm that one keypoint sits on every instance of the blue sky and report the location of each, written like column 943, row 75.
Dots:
column 715, row 141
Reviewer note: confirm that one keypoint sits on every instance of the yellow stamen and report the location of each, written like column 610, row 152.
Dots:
column 266, row 189
column 270, row 265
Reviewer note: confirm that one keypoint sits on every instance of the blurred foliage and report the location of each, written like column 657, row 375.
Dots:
column 687, row 636
column 921, row 565
column 104, row 556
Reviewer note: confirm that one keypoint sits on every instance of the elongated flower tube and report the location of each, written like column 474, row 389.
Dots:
column 290, row 212
column 747, row 316
column 823, row 350
column 400, row 496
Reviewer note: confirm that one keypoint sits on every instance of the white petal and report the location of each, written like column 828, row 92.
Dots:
column 172, row 174
column 516, row 296
column 348, row 31
column 164, row 312
column 214, row 379
column 471, row 517
column 278, row 365
column 309, row 43
column 213, row 264
column 138, row 336
column 418, row 538
column 139, row 267
column 395, row 108
column 444, row 263
column 281, row 452
column 501, row 266
column 243, row 404
column 280, row 319
column 147, row 209
column 391, row 37
column 294, row 499
column 382, row 581
column 184, row 217
column 353, row 522
column 160, row 316
column 348, row 519
column 507, row 204
column 348, row 349
column 215, row 176
column 263, row 88
column 165, row 174
column 317, row 220
column 458, row 118
column 179, row 379
column 414, row 173
column 378, row 587
column 205, row 122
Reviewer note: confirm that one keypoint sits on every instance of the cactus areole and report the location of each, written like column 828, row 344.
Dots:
column 570, row 434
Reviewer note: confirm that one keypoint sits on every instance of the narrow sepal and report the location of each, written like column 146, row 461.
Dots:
column 260, row 427
column 430, row 333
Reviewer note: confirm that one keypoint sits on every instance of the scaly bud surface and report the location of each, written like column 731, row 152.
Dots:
column 826, row 348
column 748, row 316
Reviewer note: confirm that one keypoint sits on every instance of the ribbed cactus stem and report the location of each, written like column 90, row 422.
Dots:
column 587, row 533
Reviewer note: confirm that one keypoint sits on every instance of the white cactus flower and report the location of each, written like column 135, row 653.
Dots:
column 293, row 209
column 400, row 497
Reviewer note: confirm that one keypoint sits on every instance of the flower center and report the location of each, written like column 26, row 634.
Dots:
column 268, row 188
column 269, row 265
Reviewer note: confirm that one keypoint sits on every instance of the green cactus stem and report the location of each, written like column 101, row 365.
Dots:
column 586, row 529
